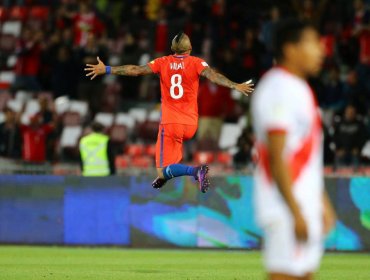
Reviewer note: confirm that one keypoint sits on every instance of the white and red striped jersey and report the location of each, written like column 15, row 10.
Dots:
column 284, row 103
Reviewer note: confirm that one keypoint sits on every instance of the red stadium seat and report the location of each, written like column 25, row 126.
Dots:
column 204, row 157
column 6, row 79
column 224, row 158
column 135, row 150
column 122, row 161
column 3, row 14
column 4, row 85
column 150, row 150
column 18, row 13
column 142, row 162
column 39, row 13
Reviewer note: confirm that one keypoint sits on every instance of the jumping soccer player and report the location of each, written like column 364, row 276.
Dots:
column 179, row 77
column 291, row 204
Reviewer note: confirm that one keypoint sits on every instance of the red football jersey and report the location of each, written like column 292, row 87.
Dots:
column 179, row 76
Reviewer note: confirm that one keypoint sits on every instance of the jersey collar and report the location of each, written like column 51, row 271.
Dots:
column 180, row 55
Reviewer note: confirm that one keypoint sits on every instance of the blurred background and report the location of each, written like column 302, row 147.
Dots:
column 44, row 46
column 47, row 104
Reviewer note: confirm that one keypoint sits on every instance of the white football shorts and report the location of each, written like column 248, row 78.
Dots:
column 283, row 254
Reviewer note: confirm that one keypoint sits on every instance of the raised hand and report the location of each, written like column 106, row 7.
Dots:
column 245, row 88
column 95, row 70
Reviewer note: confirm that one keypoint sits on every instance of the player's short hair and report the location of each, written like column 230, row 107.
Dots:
column 288, row 31
column 181, row 43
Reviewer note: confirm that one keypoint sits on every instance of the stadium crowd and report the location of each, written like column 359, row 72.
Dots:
column 57, row 38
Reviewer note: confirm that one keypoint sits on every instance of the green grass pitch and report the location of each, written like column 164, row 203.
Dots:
column 24, row 262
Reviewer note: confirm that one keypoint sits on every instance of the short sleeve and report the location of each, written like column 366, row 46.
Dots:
column 200, row 65
column 156, row 65
column 275, row 112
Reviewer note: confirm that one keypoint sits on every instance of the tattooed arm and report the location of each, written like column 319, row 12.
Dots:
column 125, row 70
column 221, row 80
column 132, row 70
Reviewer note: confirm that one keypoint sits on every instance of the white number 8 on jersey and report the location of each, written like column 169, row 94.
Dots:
column 176, row 80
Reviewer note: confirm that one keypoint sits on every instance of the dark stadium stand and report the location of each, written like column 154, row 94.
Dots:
column 43, row 48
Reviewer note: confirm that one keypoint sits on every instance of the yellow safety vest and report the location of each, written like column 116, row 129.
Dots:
column 94, row 155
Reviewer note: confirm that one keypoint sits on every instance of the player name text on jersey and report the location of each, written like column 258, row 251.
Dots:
column 177, row 66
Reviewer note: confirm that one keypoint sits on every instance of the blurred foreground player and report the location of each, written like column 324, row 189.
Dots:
column 179, row 77
column 291, row 204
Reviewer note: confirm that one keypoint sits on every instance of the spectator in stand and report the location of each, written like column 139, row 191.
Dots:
column 355, row 92
column 230, row 63
column 307, row 9
column 245, row 145
column 61, row 18
column 63, row 76
column 265, row 37
column 85, row 23
column 349, row 138
column 10, row 135
column 214, row 104
column 34, row 139
column 46, row 114
column 333, row 96
column 10, row 3
column 361, row 30
column 131, row 55
column 47, row 57
column 268, row 27
column 58, row 63
column 27, row 68
column 67, row 37
column 49, row 116
column 91, row 91
column 251, row 54
column 161, row 33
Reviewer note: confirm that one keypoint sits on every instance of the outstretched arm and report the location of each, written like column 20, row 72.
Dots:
column 132, row 70
column 221, row 80
column 125, row 70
